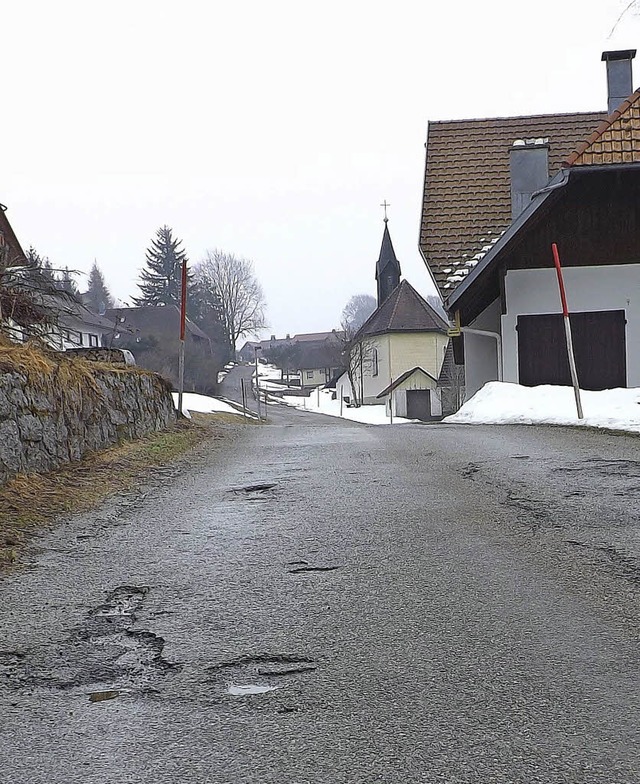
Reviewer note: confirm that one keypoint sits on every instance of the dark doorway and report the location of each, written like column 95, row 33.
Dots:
column 418, row 404
column 599, row 342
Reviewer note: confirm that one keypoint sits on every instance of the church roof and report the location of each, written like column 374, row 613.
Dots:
column 387, row 253
column 404, row 310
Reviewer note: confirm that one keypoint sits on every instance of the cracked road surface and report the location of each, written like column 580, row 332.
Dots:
column 320, row 601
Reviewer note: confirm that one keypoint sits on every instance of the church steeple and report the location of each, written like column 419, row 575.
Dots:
column 388, row 267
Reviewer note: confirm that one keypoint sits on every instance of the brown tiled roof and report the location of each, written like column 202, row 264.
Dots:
column 150, row 319
column 304, row 336
column 467, row 192
column 404, row 310
column 615, row 140
column 313, row 356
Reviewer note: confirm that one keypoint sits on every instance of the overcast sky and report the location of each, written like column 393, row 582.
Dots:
column 272, row 130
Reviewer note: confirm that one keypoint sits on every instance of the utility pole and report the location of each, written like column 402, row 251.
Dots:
column 183, row 319
column 255, row 352
column 244, row 399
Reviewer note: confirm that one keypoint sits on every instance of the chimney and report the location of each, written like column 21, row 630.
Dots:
column 529, row 169
column 619, row 76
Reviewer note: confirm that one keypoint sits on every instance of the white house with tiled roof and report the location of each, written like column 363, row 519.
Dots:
column 573, row 180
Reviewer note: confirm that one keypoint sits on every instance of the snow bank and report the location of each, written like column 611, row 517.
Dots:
column 499, row 403
column 323, row 404
column 203, row 404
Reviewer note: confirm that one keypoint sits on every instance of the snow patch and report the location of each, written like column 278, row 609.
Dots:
column 501, row 403
column 203, row 404
column 320, row 402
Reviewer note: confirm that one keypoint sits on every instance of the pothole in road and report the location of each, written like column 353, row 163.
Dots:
column 123, row 601
column 259, row 674
column 308, row 568
column 103, row 655
column 258, row 487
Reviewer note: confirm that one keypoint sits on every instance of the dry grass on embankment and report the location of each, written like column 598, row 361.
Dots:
column 31, row 503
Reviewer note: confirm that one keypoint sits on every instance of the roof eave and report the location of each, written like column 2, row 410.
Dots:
column 539, row 198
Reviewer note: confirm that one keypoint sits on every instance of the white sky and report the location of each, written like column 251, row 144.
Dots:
column 272, row 130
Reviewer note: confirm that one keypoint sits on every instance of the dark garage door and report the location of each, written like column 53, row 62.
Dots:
column 599, row 342
column 418, row 404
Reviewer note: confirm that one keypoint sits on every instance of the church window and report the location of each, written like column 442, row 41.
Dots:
column 375, row 362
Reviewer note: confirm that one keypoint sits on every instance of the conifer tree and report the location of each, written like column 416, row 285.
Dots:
column 160, row 279
column 98, row 296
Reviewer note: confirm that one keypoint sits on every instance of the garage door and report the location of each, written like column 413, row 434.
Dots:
column 419, row 404
column 599, row 341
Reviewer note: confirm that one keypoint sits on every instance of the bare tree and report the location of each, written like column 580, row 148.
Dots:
column 356, row 312
column 242, row 302
column 33, row 295
column 358, row 351
column 633, row 6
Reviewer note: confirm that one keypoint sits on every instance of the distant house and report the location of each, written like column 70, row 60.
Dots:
column 490, row 215
column 397, row 354
column 273, row 345
column 152, row 336
column 318, row 362
column 248, row 351
column 78, row 327
column 66, row 323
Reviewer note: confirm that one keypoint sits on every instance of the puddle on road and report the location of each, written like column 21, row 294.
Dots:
column 249, row 689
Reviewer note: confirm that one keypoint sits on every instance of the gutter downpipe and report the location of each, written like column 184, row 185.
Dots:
column 487, row 334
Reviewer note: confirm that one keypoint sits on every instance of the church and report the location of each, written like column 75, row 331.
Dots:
column 397, row 355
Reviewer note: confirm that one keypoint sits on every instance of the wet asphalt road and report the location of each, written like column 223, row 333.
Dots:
column 425, row 604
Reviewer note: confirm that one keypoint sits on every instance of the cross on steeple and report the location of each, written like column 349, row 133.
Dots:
column 385, row 204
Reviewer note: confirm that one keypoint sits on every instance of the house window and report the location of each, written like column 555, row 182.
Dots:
column 375, row 362
column 93, row 341
column 309, row 373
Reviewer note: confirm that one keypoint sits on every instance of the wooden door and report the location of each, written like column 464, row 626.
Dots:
column 599, row 341
column 418, row 404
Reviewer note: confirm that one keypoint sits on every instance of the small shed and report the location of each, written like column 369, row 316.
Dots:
column 413, row 395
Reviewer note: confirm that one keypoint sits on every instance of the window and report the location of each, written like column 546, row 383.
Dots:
column 309, row 373
column 375, row 362
column 93, row 341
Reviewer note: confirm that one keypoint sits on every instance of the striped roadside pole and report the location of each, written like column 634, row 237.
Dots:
column 567, row 330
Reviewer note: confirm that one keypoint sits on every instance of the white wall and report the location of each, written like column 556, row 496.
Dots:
column 399, row 352
column 611, row 287
column 481, row 352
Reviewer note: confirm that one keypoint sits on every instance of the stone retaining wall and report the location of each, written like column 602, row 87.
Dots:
column 45, row 423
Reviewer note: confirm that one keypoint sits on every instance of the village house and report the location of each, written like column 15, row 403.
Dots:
column 67, row 323
column 264, row 347
column 528, row 182
column 318, row 363
column 397, row 355
column 151, row 334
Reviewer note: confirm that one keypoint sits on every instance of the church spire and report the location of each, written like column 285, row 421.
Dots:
column 388, row 267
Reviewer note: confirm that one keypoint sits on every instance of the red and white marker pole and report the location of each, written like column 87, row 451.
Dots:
column 567, row 331
column 183, row 319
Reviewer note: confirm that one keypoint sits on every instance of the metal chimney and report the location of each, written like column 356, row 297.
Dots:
column 529, row 169
column 619, row 76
